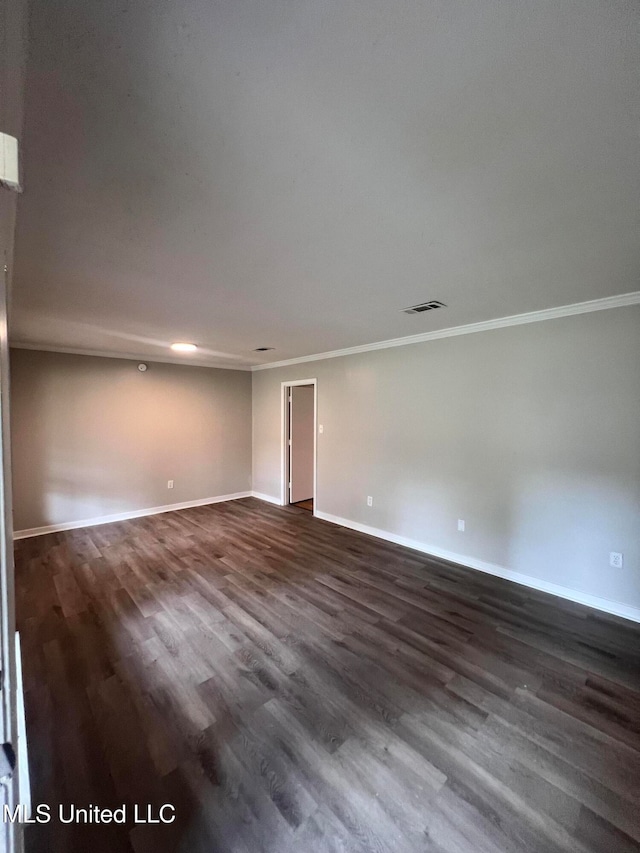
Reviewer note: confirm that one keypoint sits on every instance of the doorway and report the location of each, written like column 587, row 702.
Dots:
column 299, row 414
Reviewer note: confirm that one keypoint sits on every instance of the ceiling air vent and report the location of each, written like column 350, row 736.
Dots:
column 426, row 306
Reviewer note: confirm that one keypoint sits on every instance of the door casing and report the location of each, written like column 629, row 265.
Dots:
column 284, row 438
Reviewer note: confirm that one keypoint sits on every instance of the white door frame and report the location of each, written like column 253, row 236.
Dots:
column 284, row 448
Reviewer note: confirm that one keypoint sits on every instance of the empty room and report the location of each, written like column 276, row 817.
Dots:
column 320, row 426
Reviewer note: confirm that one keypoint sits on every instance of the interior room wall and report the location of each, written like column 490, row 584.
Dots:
column 93, row 437
column 529, row 433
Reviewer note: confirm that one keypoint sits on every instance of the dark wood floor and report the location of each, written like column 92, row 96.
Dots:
column 291, row 686
column 308, row 504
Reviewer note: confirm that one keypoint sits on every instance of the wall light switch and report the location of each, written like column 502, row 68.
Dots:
column 461, row 525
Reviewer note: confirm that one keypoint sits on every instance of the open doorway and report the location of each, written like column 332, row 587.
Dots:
column 299, row 408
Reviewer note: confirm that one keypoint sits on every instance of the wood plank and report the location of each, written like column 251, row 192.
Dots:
column 294, row 686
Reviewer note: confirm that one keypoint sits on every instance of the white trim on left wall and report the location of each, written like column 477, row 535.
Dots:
column 125, row 516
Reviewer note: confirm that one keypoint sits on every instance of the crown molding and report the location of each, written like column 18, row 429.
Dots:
column 619, row 301
column 125, row 355
column 471, row 328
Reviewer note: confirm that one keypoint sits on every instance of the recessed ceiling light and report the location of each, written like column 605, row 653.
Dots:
column 179, row 347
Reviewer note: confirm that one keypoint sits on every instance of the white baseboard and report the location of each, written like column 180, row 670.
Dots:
column 124, row 516
column 614, row 607
column 269, row 498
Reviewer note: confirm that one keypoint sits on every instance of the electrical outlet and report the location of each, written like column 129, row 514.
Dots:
column 321, row 429
column 369, row 500
column 616, row 559
column 169, row 484
column 461, row 525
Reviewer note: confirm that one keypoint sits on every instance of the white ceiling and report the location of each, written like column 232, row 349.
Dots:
column 292, row 173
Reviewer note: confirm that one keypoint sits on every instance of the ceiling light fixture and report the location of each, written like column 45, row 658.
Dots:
column 263, row 349
column 179, row 347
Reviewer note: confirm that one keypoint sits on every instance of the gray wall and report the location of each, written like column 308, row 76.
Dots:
column 95, row 436
column 530, row 433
